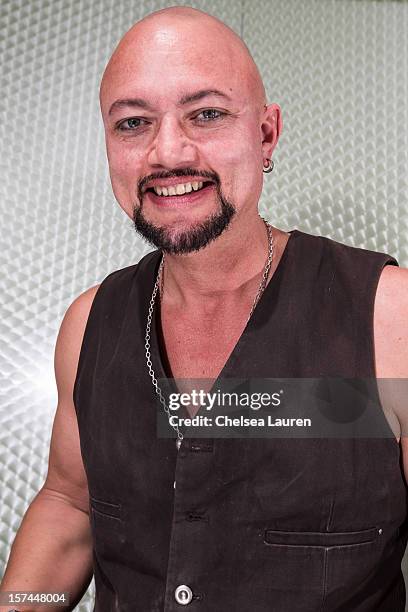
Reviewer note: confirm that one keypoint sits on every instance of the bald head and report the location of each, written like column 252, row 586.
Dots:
column 201, row 39
column 182, row 97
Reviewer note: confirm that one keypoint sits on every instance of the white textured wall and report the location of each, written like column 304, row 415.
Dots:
column 338, row 68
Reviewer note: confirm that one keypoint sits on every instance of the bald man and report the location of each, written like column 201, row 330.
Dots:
column 284, row 524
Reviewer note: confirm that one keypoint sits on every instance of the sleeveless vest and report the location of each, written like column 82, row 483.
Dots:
column 260, row 525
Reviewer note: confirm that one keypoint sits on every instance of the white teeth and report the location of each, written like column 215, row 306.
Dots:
column 179, row 189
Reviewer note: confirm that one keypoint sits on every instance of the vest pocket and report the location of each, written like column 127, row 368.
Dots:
column 321, row 539
column 108, row 509
column 107, row 527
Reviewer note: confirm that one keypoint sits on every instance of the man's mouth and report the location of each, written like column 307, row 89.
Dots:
column 179, row 195
column 179, row 189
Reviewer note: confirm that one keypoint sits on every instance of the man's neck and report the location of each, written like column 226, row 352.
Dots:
column 229, row 265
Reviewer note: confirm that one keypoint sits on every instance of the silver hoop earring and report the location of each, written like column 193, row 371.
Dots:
column 269, row 167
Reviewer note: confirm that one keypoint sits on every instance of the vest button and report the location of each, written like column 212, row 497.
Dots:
column 183, row 595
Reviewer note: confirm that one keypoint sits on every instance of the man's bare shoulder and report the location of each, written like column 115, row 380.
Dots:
column 79, row 308
column 393, row 279
column 71, row 333
column 391, row 323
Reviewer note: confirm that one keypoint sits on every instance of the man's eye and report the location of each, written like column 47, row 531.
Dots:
column 130, row 124
column 210, row 114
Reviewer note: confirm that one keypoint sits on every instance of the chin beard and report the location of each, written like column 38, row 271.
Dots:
column 192, row 239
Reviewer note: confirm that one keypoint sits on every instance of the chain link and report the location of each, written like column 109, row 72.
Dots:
column 267, row 268
column 148, row 355
column 159, row 278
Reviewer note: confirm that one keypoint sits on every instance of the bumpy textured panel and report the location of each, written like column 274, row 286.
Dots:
column 339, row 71
column 337, row 68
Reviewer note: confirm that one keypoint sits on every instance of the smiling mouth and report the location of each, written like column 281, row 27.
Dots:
column 180, row 189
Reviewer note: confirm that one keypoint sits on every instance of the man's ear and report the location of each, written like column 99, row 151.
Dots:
column 271, row 128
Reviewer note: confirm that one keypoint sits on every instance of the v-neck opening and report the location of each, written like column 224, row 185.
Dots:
column 157, row 359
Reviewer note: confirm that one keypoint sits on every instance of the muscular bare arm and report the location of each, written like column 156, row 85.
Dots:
column 52, row 550
column 391, row 351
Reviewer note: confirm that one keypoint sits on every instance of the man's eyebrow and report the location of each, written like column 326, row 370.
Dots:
column 186, row 99
column 133, row 102
column 203, row 93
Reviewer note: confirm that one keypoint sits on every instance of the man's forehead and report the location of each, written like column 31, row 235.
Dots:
column 155, row 86
column 163, row 55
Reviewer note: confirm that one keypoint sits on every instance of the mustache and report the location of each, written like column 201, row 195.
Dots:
column 165, row 174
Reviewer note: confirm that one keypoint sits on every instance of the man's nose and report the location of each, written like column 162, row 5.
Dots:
column 172, row 147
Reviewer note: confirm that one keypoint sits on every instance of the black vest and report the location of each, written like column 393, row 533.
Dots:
column 260, row 525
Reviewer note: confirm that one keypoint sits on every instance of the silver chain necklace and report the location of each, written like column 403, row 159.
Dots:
column 159, row 279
